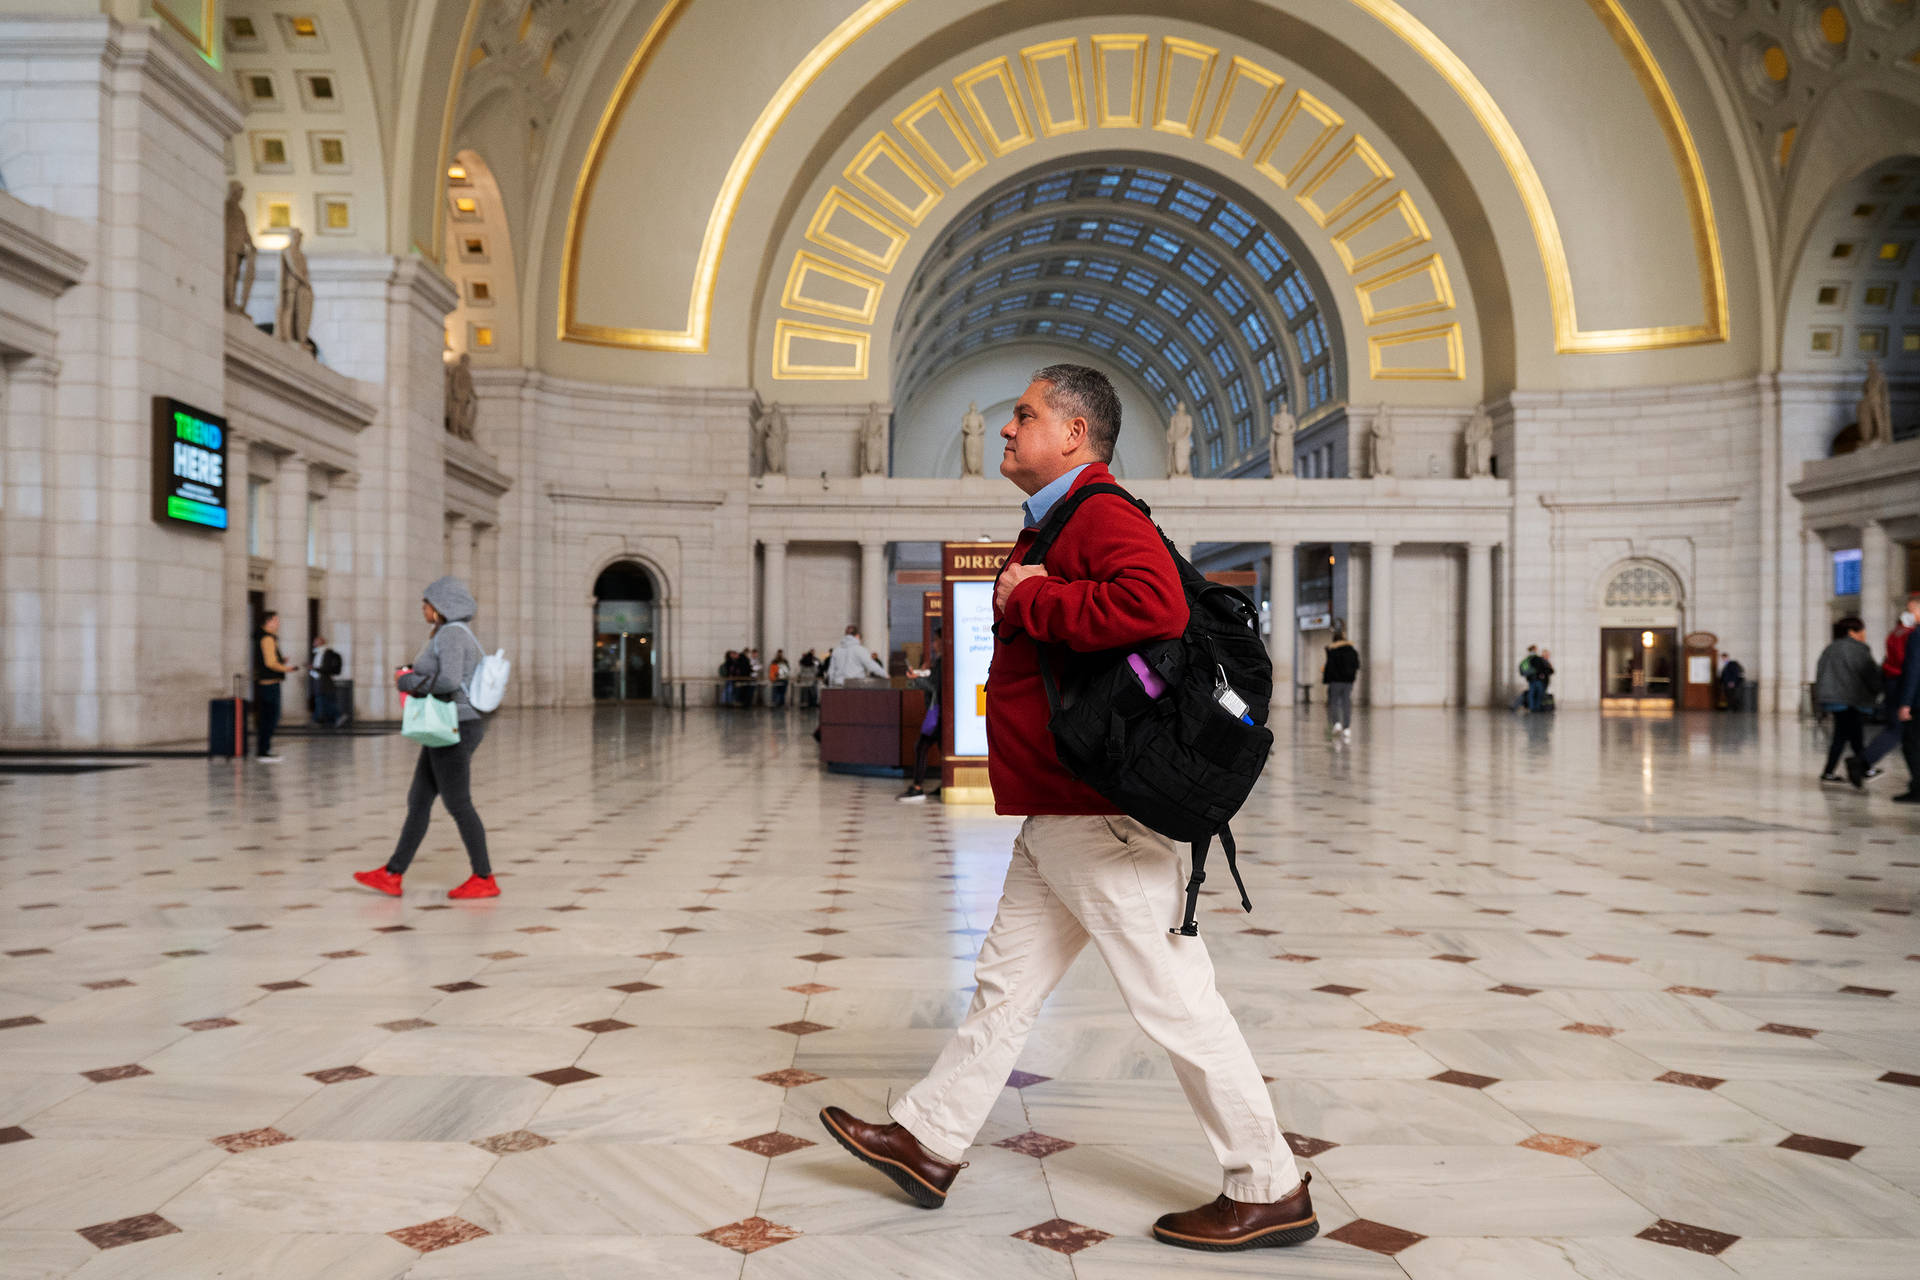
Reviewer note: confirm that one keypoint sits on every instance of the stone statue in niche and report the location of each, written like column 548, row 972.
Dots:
column 463, row 406
column 1875, row 414
column 1280, row 442
column 873, row 441
column 1180, row 441
column 770, row 432
column 973, row 440
column 295, row 314
column 1380, row 444
column 1478, row 439
column 240, row 252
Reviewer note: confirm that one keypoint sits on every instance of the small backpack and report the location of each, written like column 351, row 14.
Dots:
column 1184, row 759
column 488, row 683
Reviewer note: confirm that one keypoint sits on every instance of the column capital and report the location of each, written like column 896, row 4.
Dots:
column 778, row 544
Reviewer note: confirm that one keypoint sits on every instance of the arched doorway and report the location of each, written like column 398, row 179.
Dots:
column 1640, row 635
column 625, row 634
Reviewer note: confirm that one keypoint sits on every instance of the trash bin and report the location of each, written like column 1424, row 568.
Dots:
column 343, row 699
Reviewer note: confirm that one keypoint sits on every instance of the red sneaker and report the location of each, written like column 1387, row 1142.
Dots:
column 476, row 887
column 380, row 878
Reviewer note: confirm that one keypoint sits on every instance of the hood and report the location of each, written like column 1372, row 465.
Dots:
column 450, row 599
column 850, row 642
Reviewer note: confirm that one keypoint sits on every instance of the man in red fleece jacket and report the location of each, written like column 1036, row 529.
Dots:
column 1082, row 871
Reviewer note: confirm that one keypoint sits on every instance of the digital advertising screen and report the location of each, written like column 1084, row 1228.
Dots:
column 189, row 465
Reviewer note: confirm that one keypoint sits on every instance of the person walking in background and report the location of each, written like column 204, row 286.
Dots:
column 808, row 679
column 928, row 679
column 269, row 674
column 1846, row 682
column 1529, row 698
column 325, row 667
column 442, row 669
column 1893, row 664
column 1906, row 711
column 1543, row 668
column 779, row 672
column 850, row 660
column 1338, row 673
column 754, row 672
column 1732, row 676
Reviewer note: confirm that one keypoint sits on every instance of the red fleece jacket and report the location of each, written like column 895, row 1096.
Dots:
column 1110, row 584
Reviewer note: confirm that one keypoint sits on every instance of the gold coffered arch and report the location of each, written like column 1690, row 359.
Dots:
column 1569, row 338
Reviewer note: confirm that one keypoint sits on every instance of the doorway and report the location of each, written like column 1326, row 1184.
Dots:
column 625, row 636
column 1639, row 663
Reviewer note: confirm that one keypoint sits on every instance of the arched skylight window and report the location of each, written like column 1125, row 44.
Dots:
column 1180, row 285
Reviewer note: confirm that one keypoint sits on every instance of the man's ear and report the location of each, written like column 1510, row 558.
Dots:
column 1076, row 434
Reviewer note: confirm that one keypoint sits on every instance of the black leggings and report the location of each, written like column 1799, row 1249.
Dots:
column 266, row 714
column 920, row 752
column 443, row 772
column 1847, row 732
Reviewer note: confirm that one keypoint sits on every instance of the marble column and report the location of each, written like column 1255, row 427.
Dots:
column 460, row 548
column 773, row 599
column 1283, row 630
column 289, row 593
column 1479, row 638
column 1818, row 618
column 1378, row 655
column 1876, row 582
column 28, row 570
column 873, row 596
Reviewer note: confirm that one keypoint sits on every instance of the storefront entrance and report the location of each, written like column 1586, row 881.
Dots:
column 625, row 642
column 1642, row 664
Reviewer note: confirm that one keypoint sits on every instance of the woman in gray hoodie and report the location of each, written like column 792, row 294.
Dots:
column 442, row 670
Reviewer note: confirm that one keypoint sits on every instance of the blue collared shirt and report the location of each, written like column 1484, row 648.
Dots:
column 1037, row 507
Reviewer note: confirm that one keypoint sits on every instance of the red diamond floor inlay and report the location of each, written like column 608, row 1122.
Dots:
column 635, row 988
column 1062, row 1236
column 564, row 1075
column 209, row 1024
column 111, row 1235
column 1466, row 1078
column 14, row 1133
column 772, row 1144
column 442, row 1233
column 1021, row 1079
column 1690, row 1081
column 1682, row 1235
column 1307, row 1148
column 251, row 1140
column 1375, row 1237
column 1555, row 1145
column 100, row 1075
column 506, row 1144
column 339, row 1075
column 801, row 1028
column 789, row 1078
column 1820, row 1146
column 604, row 1025
column 750, row 1235
column 1037, row 1145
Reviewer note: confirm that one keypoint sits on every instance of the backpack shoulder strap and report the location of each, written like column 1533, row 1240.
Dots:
column 1188, row 927
column 1063, row 511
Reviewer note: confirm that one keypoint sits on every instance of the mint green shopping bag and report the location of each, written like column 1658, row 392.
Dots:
column 432, row 722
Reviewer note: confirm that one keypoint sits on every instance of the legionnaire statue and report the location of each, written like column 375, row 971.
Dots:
column 1380, row 444
column 1875, row 414
column 1479, row 442
column 295, row 314
column 240, row 252
column 463, row 405
column 771, row 430
column 1180, row 441
column 873, row 442
column 1280, row 442
column 973, row 440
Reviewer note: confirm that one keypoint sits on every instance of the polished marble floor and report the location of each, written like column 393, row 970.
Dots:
column 1541, row 998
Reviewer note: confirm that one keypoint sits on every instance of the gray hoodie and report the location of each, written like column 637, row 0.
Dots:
column 1847, row 676
column 448, row 661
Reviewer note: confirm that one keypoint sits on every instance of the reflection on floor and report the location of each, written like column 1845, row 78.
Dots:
column 1542, row 997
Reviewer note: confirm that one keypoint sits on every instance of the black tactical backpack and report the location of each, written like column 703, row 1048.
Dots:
column 1182, row 762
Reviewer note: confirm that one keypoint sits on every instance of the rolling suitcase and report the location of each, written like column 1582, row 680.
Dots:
column 227, row 723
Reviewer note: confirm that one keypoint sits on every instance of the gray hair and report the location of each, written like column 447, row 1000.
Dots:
column 1082, row 392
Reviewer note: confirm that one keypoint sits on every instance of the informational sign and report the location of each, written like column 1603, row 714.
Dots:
column 1699, row 668
column 971, row 633
column 189, row 465
column 967, row 571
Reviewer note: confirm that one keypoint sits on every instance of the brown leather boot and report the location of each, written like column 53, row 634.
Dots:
column 1227, row 1225
column 896, row 1153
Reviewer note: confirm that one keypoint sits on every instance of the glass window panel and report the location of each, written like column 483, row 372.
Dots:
column 1222, row 362
column 1146, row 188
column 1005, row 329
column 1038, row 233
column 1136, row 281
column 1195, row 383
column 1152, row 377
column 1254, row 330
column 1293, row 290
column 1209, row 420
column 1190, row 204
column 1231, row 297
column 1150, row 330
column 1243, row 432
column 1102, row 339
column 1124, row 234
column 1269, row 367
column 1173, row 301
column 1119, row 312
column 1025, row 271
column 1230, row 223
column 1131, row 357
column 1215, row 454
column 1266, row 257
column 1237, row 394
column 998, row 247
column 1161, row 245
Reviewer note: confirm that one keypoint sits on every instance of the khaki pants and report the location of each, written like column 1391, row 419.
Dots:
column 1118, row 884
